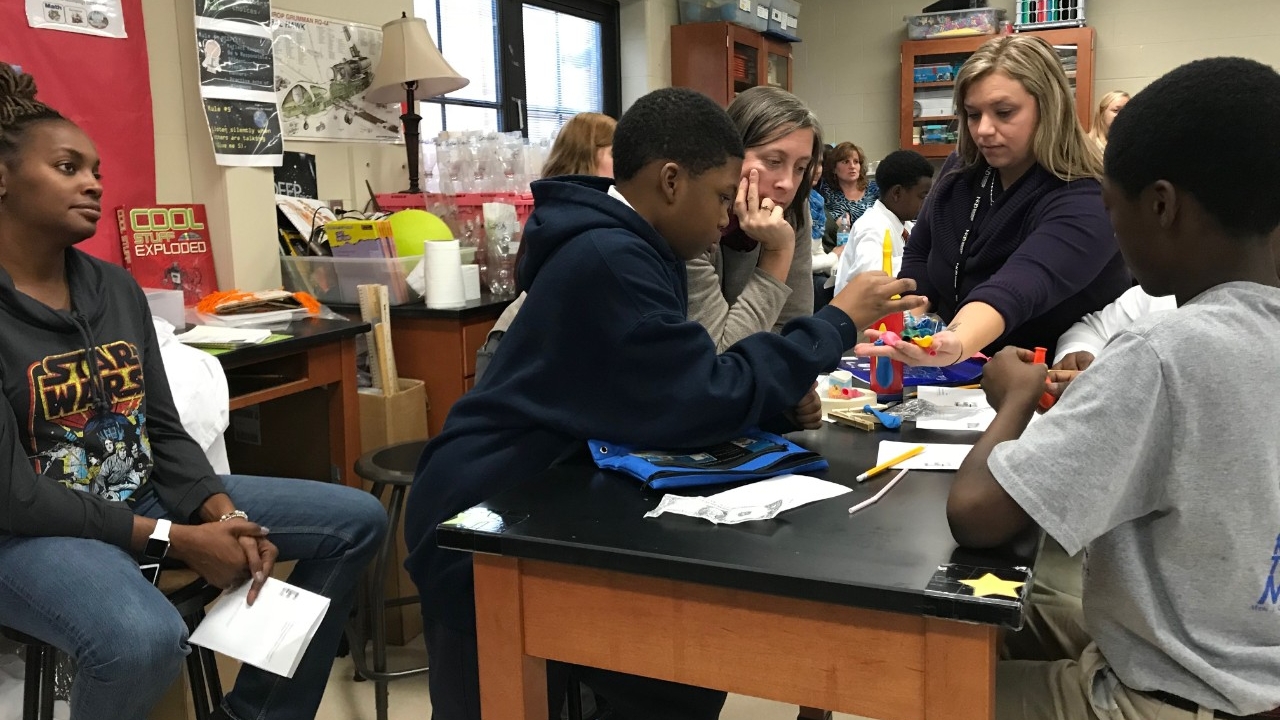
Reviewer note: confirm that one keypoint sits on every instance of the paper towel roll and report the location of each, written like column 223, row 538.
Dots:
column 471, row 282
column 444, row 274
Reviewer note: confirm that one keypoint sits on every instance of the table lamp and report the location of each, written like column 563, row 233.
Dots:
column 411, row 68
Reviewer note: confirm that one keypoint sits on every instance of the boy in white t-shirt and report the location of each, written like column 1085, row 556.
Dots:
column 905, row 178
column 1081, row 343
column 1162, row 462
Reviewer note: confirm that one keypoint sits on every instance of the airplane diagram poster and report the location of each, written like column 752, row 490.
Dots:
column 323, row 67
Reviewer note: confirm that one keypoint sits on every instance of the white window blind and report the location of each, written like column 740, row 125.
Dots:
column 563, row 76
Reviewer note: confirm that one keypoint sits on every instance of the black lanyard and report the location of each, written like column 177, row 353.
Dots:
column 964, row 239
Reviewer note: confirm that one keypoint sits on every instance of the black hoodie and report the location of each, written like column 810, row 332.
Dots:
column 83, row 441
column 602, row 348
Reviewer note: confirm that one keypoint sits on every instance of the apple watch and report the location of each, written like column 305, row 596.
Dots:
column 158, row 544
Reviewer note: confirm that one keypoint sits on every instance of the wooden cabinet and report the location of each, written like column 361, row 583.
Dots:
column 722, row 59
column 441, row 353
column 937, row 133
column 439, row 348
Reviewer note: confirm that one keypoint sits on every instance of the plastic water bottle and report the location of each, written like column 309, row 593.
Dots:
column 842, row 229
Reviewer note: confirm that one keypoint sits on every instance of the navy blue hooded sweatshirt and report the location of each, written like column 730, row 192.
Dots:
column 601, row 349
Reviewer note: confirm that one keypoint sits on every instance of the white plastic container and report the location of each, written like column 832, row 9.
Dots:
column 167, row 305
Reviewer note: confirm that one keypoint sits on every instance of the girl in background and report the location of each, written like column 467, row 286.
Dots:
column 1112, row 103
column 584, row 146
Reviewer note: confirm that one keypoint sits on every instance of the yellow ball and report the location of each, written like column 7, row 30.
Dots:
column 412, row 227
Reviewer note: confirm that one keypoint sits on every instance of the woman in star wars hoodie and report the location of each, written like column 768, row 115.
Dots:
column 96, row 471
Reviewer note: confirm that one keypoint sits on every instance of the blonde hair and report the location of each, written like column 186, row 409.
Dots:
column 574, row 151
column 840, row 153
column 1059, row 143
column 1097, row 132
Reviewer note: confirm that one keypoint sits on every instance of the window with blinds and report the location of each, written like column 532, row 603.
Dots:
column 561, row 59
column 563, row 75
column 467, row 33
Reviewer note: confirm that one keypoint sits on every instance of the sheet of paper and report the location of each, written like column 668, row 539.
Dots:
column 936, row 456
column 218, row 335
column 272, row 635
column 955, row 409
column 760, row 500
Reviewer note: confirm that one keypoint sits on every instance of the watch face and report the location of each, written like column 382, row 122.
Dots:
column 156, row 548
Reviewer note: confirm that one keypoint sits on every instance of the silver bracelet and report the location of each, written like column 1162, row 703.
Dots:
column 234, row 514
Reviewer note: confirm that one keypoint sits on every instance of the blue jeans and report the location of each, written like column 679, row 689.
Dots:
column 88, row 599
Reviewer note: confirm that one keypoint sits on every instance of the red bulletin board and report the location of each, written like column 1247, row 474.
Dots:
column 104, row 86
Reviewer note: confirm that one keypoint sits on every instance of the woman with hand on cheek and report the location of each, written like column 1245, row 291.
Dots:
column 760, row 274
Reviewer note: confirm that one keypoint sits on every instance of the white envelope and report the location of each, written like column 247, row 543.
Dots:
column 272, row 635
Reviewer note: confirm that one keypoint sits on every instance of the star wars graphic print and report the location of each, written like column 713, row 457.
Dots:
column 97, row 447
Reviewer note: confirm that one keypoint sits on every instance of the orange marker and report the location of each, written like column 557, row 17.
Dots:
column 1046, row 400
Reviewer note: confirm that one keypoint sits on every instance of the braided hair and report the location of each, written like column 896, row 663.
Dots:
column 19, row 109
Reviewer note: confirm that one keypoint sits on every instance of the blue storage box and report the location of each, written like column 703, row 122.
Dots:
column 753, row 14
column 941, row 72
column 784, row 19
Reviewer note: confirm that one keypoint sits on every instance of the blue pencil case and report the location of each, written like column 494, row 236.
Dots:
column 757, row 455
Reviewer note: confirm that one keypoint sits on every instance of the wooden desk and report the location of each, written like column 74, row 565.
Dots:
column 439, row 348
column 860, row 614
column 321, row 354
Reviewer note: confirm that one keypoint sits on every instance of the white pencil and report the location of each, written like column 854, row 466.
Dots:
column 875, row 498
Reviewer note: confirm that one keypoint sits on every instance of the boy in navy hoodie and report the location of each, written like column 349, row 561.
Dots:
column 604, row 349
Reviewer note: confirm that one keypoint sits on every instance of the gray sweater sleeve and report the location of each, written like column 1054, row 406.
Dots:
column 755, row 309
column 763, row 304
column 800, row 277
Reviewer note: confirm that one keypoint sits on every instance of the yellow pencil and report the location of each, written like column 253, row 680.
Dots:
column 885, row 466
column 887, row 256
column 886, row 262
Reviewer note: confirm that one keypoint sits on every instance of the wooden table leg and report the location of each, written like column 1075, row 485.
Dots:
column 344, row 416
column 512, row 684
column 808, row 713
column 960, row 670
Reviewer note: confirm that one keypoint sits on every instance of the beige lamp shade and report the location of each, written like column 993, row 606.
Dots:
column 410, row 55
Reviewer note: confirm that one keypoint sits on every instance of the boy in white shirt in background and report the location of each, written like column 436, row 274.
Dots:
column 905, row 178
column 1082, row 342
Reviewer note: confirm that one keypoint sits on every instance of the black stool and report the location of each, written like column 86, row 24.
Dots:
column 189, row 594
column 388, row 467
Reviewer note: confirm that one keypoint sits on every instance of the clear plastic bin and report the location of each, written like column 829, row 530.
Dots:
column 954, row 23
column 753, row 14
column 335, row 280
column 784, row 19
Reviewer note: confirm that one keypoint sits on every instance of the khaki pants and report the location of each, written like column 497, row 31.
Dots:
column 1054, row 627
column 1052, row 670
column 1084, row 689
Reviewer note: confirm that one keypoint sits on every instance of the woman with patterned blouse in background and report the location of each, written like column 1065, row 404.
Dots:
column 845, row 186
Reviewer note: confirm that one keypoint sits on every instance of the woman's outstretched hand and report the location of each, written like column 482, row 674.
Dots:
column 946, row 349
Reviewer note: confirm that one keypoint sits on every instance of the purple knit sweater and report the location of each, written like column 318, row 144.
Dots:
column 1044, row 255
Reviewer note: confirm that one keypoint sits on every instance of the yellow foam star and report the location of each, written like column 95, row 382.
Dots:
column 991, row 585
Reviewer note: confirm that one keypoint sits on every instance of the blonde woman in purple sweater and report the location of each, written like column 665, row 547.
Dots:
column 1013, row 245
